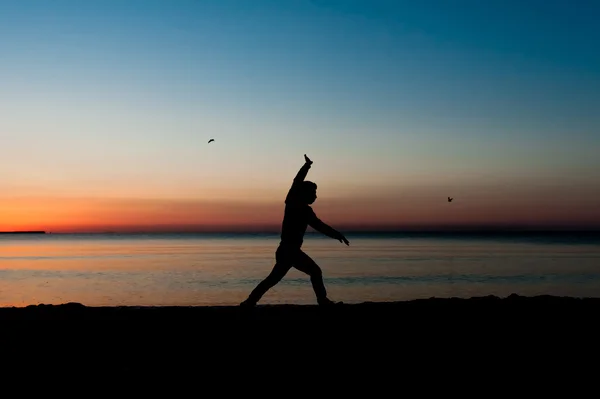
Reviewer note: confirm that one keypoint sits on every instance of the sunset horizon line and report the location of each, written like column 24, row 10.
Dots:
column 349, row 229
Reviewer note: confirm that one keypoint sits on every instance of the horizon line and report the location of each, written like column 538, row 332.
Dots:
column 346, row 229
column 431, row 230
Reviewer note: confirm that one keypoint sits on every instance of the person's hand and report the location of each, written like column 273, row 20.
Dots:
column 307, row 160
column 343, row 239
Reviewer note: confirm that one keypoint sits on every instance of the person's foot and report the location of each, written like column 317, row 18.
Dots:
column 329, row 302
column 247, row 304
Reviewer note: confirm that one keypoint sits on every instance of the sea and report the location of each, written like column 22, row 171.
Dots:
column 198, row 269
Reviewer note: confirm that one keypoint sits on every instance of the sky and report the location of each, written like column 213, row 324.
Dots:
column 107, row 107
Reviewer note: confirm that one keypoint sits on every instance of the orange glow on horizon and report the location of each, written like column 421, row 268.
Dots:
column 97, row 215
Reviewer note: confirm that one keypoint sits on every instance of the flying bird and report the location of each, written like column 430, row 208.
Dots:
column 211, row 140
column 450, row 199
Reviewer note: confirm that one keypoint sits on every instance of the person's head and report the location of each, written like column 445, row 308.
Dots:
column 309, row 191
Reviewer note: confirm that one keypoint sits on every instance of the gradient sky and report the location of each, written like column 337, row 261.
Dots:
column 107, row 107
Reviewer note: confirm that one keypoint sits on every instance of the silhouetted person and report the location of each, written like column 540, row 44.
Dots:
column 298, row 215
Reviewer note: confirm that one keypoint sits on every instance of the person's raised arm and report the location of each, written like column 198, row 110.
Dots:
column 303, row 170
column 299, row 178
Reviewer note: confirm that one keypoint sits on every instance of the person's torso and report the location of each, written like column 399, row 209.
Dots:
column 295, row 222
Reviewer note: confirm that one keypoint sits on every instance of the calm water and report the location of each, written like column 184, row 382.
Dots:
column 202, row 269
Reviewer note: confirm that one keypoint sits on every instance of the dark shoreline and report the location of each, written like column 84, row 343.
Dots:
column 23, row 232
column 371, row 345
column 481, row 307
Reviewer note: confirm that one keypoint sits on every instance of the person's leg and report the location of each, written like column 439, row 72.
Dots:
column 282, row 266
column 307, row 265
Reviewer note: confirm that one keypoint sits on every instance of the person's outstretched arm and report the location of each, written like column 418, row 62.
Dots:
column 300, row 176
column 324, row 228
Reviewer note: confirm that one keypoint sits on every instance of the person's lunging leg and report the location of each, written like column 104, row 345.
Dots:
column 279, row 271
column 306, row 264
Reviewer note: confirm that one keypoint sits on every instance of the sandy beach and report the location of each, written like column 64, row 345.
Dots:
column 368, row 345
column 478, row 307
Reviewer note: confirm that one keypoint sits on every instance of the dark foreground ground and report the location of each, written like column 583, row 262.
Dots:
column 425, row 345
column 528, row 309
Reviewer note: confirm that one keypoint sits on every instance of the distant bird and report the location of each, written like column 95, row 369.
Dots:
column 211, row 140
column 450, row 199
